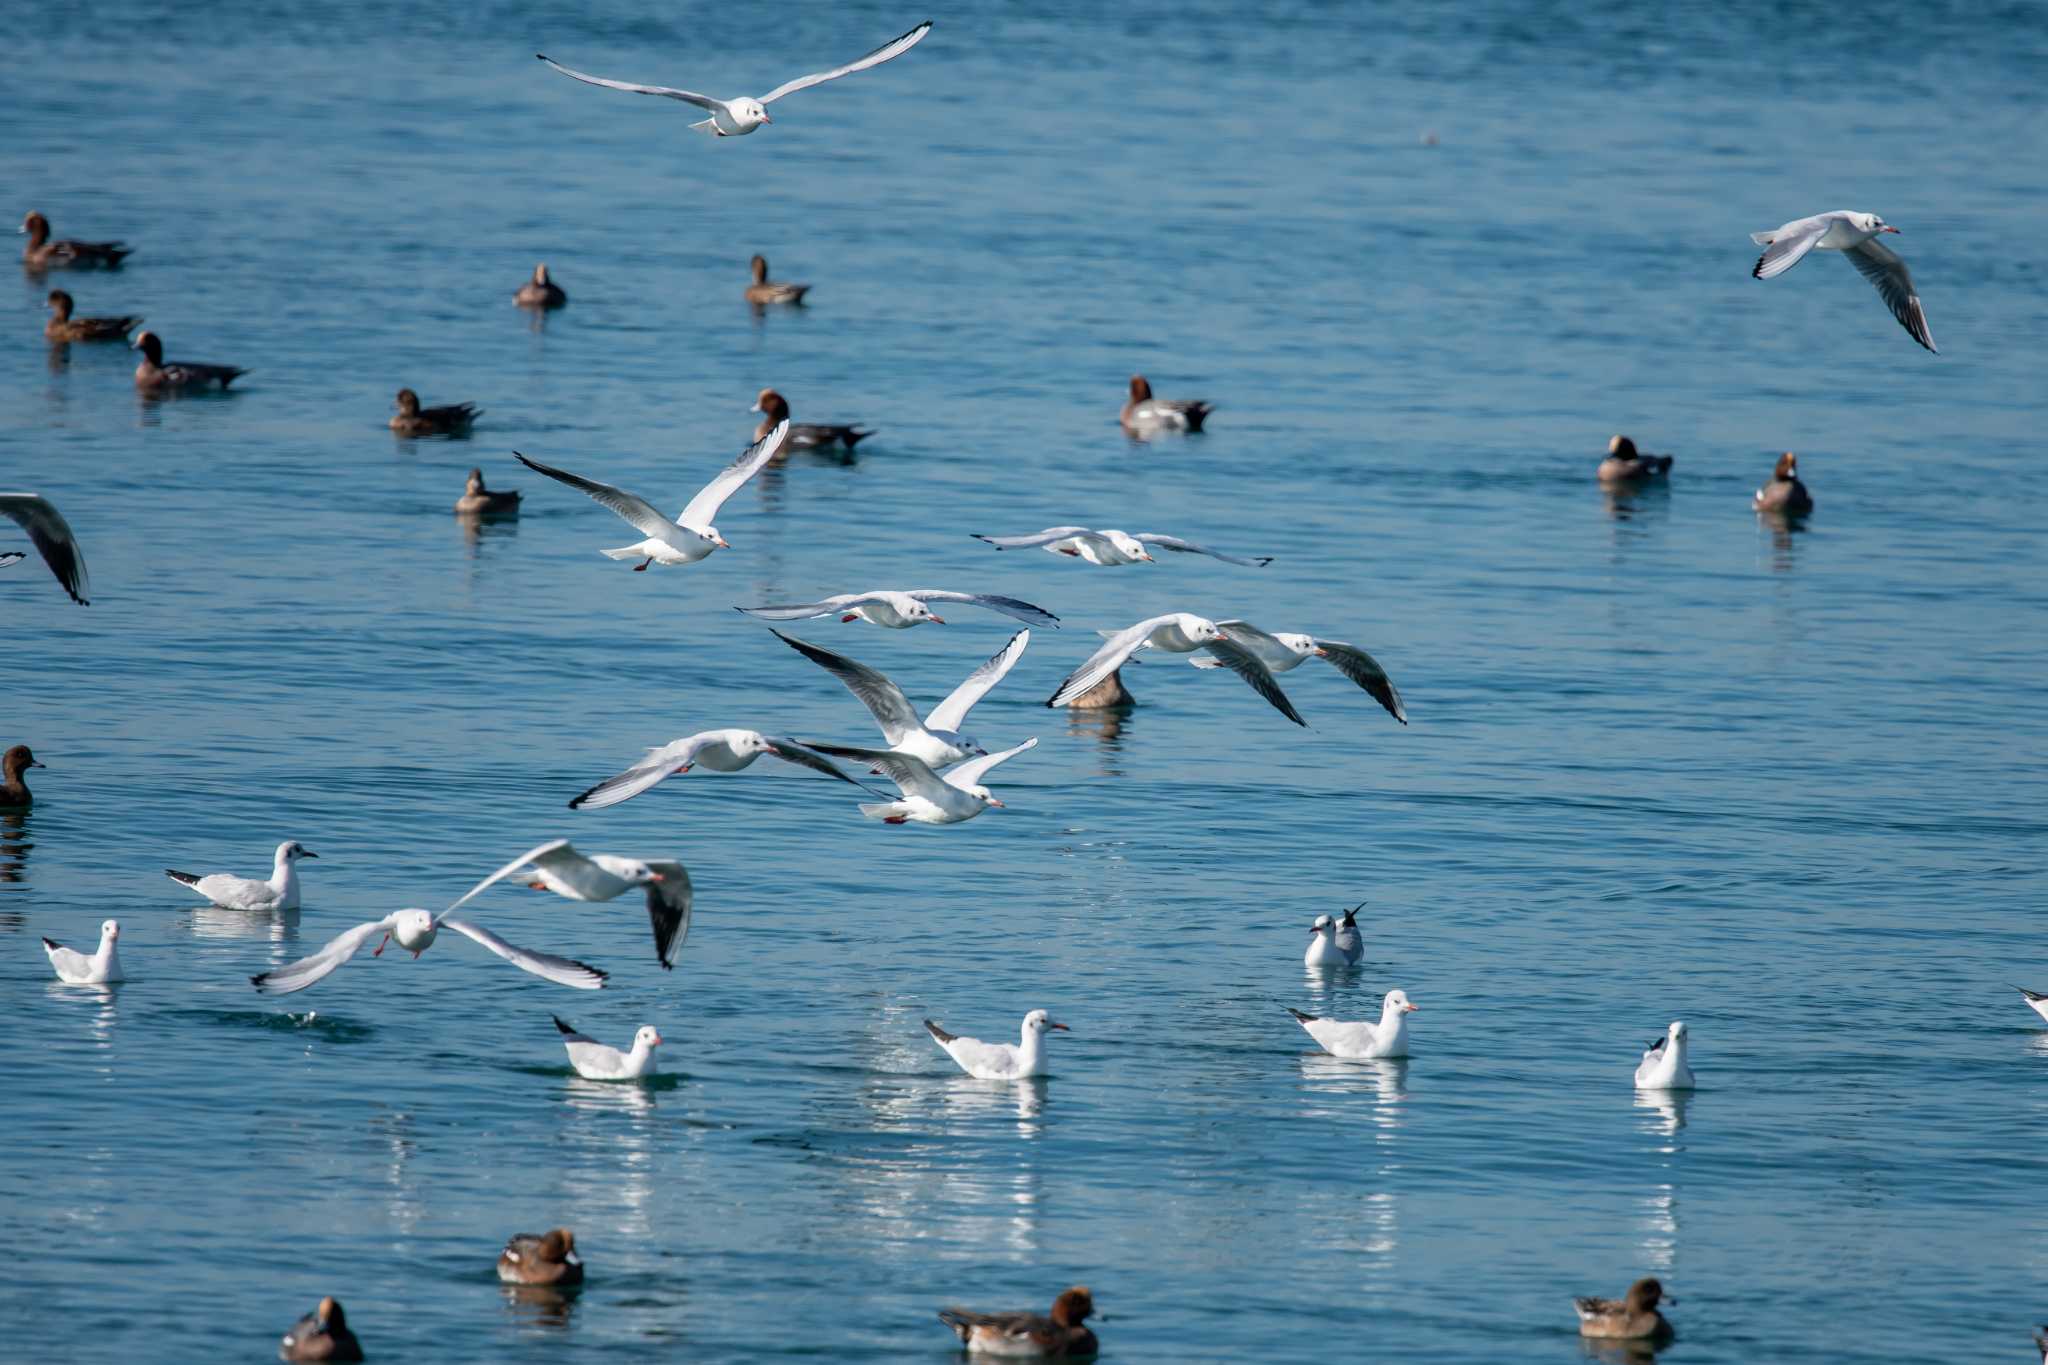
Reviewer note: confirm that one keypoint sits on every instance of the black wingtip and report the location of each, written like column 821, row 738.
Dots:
column 540, row 56
column 1304, row 1018
column 52, row 943
column 559, row 1025
column 938, row 1032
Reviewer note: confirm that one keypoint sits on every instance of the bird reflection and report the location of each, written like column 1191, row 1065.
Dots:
column 616, row 1097
column 60, row 357
column 1783, row 528
column 395, row 1130
column 1651, row 501
column 968, row 1098
column 1659, row 1238
column 478, row 527
column 1385, row 1079
column 539, row 1305
column 15, row 844
column 1619, row 1352
column 278, row 926
column 1668, row 1108
column 1105, row 725
column 102, row 998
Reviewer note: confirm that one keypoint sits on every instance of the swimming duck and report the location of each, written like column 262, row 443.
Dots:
column 414, row 420
column 549, row 1259
column 1144, row 415
column 63, row 327
column 1059, row 1335
column 321, row 1335
column 98, row 968
column 153, row 376
column 540, row 291
column 479, row 501
column 43, row 254
column 1623, row 463
column 764, row 290
column 774, row 408
column 1784, row 493
column 1107, row 695
column 1632, row 1318
column 14, row 793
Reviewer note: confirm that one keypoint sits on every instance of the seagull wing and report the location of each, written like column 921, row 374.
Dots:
column 803, row 611
column 1008, row 606
column 654, row 767
column 555, row 851
column 883, row 698
column 1248, row 666
column 791, row 751
column 642, row 515
column 951, row 713
column 703, row 509
column 1359, row 666
column 1105, row 661
column 688, row 97
column 1885, row 268
column 560, row 970
column 911, row 774
column 895, row 47
column 52, row 537
column 1789, row 248
column 298, row 975
column 668, row 910
column 1188, row 547
column 970, row 773
column 1045, row 537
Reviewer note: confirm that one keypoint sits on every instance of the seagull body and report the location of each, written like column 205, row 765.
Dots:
column 1285, row 652
column 76, row 969
column 416, row 931
column 51, row 535
column 1109, row 547
column 929, row 798
column 1855, row 235
column 1785, row 493
column 2036, row 1001
column 901, row 610
column 1060, row 1335
column 937, row 739
column 596, row 1062
column 1176, row 633
column 556, row 866
column 1000, row 1061
column 721, row 751
column 322, row 1334
column 1322, row 944
column 692, row 535
column 1351, row 943
column 738, row 117
column 548, row 1259
column 1633, row 1317
column 1363, row 1041
column 1664, row 1066
column 230, row 892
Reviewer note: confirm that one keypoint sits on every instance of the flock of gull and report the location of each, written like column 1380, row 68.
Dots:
column 938, row 768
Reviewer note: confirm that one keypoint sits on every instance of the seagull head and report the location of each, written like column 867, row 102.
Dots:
column 1398, row 1003
column 1322, row 923
column 1129, row 546
column 1199, row 628
column 636, row 873
column 292, row 850
column 750, row 111
column 1304, row 645
column 110, row 930
column 711, row 534
column 647, row 1037
column 1038, row 1021
column 1871, row 223
column 914, row 610
column 1677, row 1030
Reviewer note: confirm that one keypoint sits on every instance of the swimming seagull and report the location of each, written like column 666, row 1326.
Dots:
column 691, row 536
column 929, row 798
column 51, row 535
column 416, row 931
column 230, row 892
column 1322, row 944
column 596, row 1062
column 738, row 117
column 1113, row 547
column 1282, row 653
column 556, row 866
column 1059, row 1335
column 76, row 969
column 1348, row 940
column 937, row 739
column 1000, row 1061
column 1177, row 633
column 1362, row 1041
column 902, row 610
column 1854, row 234
column 2035, row 1001
column 720, row 751
column 1663, row 1066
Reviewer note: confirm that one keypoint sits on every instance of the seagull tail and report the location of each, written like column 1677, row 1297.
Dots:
column 186, row 877
column 1304, row 1018
column 939, row 1033
column 707, row 126
column 560, row 1026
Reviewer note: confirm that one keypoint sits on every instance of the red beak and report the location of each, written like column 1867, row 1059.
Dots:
column 938, row 620
column 1887, row 228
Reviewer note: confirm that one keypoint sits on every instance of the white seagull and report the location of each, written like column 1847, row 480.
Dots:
column 1284, row 652
column 929, row 798
column 230, row 892
column 901, row 610
column 692, row 535
column 1000, row 1061
column 1322, row 944
column 738, row 117
column 1362, row 1042
column 1663, row 1066
column 937, row 739
column 1349, row 941
column 1113, row 547
column 2035, row 1001
column 77, row 969
column 556, row 866
column 51, row 535
column 721, row 751
column 1176, row 633
column 1855, row 235
column 596, row 1062
column 415, row 931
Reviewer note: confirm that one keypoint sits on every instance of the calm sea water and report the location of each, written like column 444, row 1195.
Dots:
column 1665, row 762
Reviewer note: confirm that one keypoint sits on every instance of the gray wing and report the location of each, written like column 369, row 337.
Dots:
column 703, row 509
column 1884, row 268
column 909, row 773
column 296, row 976
column 688, row 97
column 1104, row 661
column 51, row 535
column 1359, row 666
column 12, row 557
column 895, row 47
column 560, row 970
column 655, row 766
column 806, row 610
column 1247, row 665
column 553, row 851
column 642, row 515
column 669, row 903
column 1789, row 249
column 883, row 698
column 1045, row 537
column 951, row 713
column 970, row 773
column 790, row 751
column 1008, row 606
column 1188, row 547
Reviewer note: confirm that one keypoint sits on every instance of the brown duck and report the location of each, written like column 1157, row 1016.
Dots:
column 153, row 376
column 540, row 291
column 14, row 793
column 1144, row 415
column 547, row 1259
column 65, row 254
column 321, row 1335
column 63, row 327
column 479, row 501
column 1785, row 493
column 774, row 410
column 1623, row 463
column 764, row 290
column 1633, row 1317
column 1059, row 1335
column 414, row 420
